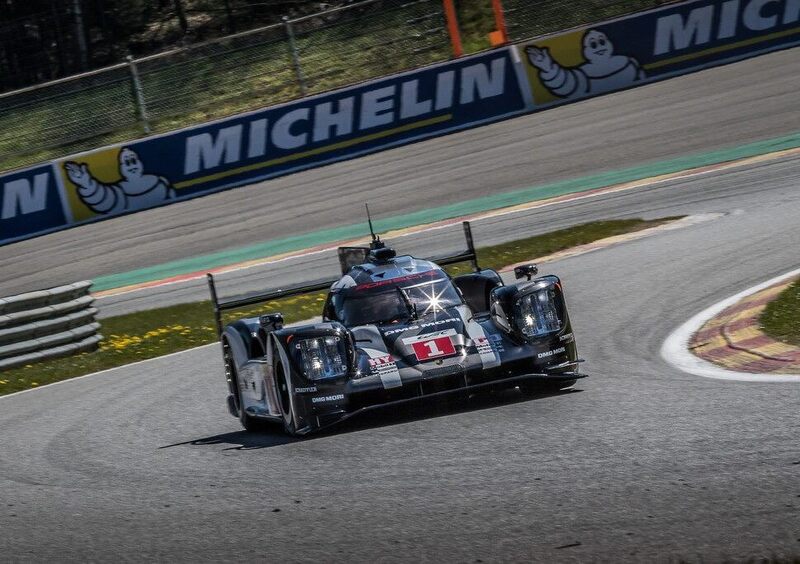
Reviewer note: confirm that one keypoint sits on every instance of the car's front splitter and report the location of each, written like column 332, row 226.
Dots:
column 330, row 419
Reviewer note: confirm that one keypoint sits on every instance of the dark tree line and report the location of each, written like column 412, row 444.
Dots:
column 41, row 40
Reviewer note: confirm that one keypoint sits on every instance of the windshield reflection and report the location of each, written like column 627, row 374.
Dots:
column 394, row 304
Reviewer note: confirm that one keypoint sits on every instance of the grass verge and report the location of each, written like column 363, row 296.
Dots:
column 149, row 334
column 781, row 319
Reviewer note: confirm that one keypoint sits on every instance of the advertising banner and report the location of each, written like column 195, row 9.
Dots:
column 654, row 45
column 297, row 135
column 30, row 203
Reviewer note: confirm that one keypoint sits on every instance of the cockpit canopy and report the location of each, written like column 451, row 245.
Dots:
column 399, row 290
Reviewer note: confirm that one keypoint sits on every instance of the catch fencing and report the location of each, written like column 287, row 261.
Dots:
column 240, row 72
column 532, row 18
column 47, row 324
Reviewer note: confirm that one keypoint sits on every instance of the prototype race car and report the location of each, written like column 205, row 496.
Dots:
column 395, row 329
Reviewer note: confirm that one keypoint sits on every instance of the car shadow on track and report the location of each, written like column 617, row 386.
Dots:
column 273, row 435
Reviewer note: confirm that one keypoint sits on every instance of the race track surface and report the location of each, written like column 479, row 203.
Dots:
column 640, row 463
column 723, row 107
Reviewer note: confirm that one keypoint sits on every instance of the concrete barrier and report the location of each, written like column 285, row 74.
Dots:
column 47, row 324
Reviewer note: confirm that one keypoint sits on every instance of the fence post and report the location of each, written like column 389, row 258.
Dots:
column 80, row 35
column 452, row 27
column 138, row 95
column 500, row 21
column 298, row 70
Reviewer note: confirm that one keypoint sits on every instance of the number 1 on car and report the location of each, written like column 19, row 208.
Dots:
column 435, row 348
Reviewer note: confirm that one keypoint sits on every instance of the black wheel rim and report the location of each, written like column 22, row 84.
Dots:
column 230, row 374
column 283, row 390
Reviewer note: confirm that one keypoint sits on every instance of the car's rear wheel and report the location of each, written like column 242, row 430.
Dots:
column 284, row 392
column 249, row 423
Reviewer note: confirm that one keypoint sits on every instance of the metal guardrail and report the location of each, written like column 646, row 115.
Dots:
column 47, row 324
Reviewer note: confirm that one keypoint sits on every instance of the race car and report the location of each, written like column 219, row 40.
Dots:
column 395, row 329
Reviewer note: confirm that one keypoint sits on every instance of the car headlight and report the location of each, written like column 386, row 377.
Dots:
column 323, row 357
column 536, row 313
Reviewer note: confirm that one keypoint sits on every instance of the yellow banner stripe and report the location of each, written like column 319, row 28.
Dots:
column 722, row 48
column 317, row 151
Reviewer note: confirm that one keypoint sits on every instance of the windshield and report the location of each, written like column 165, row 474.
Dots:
column 394, row 303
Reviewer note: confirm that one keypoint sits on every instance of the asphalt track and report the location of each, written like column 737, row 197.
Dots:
column 640, row 463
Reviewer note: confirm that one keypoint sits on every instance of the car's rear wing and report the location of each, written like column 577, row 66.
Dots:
column 348, row 256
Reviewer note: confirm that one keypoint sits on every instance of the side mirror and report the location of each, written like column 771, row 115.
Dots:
column 529, row 270
column 271, row 321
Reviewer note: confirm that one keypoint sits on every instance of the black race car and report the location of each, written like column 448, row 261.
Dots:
column 396, row 329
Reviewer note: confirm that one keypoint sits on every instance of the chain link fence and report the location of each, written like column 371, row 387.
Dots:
column 526, row 19
column 236, row 73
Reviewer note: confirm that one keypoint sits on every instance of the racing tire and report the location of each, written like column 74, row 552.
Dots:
column 283, row 390
column 250, row 424
column 536, row 388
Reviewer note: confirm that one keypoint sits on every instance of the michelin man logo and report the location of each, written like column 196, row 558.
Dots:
column 135, row 190
column 603, row 71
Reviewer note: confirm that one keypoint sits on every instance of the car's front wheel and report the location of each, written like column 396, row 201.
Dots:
column 284, row 393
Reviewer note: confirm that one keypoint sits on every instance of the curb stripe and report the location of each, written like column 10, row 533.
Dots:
column 675, row 349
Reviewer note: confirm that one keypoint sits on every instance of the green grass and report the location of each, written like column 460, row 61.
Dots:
column 219, row 79
column 149, row 334
column 781, row 319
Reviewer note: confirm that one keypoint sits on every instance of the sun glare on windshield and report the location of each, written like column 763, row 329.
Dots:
column 433, row 300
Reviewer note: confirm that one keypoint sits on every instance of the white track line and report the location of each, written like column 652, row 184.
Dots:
column 675, row 349
column 106, row 371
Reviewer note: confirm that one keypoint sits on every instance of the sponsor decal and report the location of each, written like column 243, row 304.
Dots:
column 572, row 67
column 431, row 97
column 705, row 23
column 379, row 361
column 655, row 44
column 384, row 365
column 567, row 338
column 391, row 281
column 497, row 342
column 429, row 336
column 113, row 181
column 421, row 326
column 483, row 345
column 325, row 399
column 387, row 370
column 478, row 338
column 305, row 390
column 30, row 203
column 551, row 353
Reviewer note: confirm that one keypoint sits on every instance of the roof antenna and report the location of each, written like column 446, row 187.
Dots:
column 376, row 240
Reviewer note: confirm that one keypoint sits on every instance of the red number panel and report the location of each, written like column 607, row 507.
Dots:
column 435, row 348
